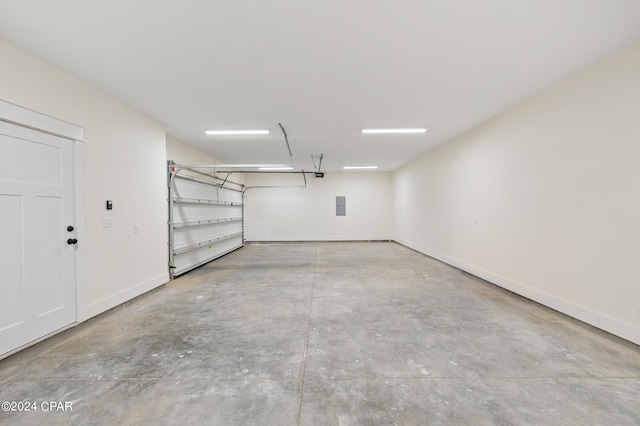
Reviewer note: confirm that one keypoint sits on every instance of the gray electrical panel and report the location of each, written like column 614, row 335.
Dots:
column 341, row 206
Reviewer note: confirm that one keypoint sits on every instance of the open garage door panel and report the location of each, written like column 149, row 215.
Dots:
column 205, row 218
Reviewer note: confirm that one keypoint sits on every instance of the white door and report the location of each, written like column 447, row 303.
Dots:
column 37, row 249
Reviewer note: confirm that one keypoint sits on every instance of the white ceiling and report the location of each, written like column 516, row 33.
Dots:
column 324, row 69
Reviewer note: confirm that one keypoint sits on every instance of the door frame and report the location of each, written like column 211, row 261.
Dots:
column 25, row 117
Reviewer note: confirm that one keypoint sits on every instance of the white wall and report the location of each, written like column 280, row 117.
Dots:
column 302, row 214
column 124, row 161
column 181, row 153
column 555, row 187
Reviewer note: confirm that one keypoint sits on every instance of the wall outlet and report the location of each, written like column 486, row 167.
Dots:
column 135, row 228
column 106, row 222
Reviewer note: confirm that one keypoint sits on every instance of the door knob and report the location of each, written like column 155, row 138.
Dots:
column 70, row 228
column 71, row 241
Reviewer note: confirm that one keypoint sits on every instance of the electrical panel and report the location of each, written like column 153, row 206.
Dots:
column 341, row 206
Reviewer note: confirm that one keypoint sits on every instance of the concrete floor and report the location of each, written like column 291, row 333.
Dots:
column 328, row 334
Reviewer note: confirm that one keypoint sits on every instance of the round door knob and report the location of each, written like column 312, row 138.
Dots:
column 70, row 228
column 71, row 241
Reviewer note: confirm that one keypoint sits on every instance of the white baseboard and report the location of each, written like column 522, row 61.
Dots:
column 604, row 322
column 313, row 239
column 122, row 297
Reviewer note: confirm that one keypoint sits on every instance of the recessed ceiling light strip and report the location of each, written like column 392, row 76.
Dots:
column 237, row 132
column 359, row 167
column 233, row 166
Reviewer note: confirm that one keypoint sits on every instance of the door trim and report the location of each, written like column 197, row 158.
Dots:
column 25, row 117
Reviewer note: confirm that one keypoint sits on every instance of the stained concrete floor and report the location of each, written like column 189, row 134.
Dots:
column 328, row 334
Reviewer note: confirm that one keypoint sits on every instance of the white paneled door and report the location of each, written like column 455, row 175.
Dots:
column 37, row 235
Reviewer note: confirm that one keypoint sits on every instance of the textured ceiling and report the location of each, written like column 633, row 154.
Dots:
column 324, row 69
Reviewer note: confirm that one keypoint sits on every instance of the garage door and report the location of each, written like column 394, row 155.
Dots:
column 205, row 218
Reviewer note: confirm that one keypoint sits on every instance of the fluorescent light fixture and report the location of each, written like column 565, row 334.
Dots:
column 237, row 132
column 392, row 131
column 276, row 168
column 245, row 166
column 359, row 167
